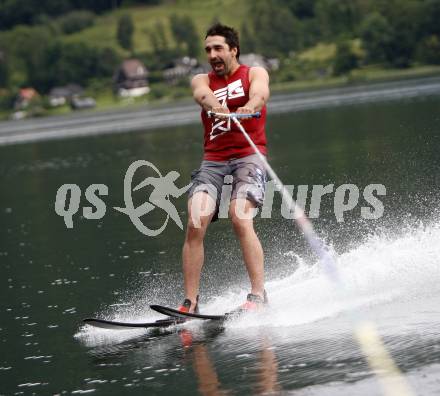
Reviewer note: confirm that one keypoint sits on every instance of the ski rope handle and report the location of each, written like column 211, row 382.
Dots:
column 234, row 115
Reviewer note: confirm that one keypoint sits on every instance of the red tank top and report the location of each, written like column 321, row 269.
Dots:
column 223, row 140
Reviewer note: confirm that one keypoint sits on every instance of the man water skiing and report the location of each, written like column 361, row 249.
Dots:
column 237, row 88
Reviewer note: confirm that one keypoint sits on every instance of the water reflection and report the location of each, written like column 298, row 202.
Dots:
column 204, row 369
column 263, row 382
column 194, row 349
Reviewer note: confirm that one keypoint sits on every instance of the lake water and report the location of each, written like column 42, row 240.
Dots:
column 52, row 277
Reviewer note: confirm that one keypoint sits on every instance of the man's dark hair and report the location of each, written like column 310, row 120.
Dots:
column 230, row 35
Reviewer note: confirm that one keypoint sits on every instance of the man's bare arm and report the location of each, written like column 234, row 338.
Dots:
column 203, row 95
column 258, row 90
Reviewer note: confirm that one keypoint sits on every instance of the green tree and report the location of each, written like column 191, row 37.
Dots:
column 428, row 50
column 302, row 9
column 79, row 62
column 430, row 17
column 401, row 48
column 98, row 6
column 108, row 61
column 310, row 32
column 62, row 63
column 76, row 21
column 345, row 59
column 4, row 71
column 337, row 17
column 276, row 29
column 162, row 56
column 185, row 33
column 404, row 18
column 24, row 12
column 27, row 49
column 125, row 32
column 376, row 35
column 158, row 38
column 247, row 40
column 7, row 100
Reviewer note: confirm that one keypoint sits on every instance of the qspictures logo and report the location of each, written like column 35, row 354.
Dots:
column 163, row 191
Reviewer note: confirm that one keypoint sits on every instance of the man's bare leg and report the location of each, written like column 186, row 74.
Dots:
column 199, row 205
column 250, row 244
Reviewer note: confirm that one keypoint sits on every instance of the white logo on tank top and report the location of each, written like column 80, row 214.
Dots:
column 231, row 91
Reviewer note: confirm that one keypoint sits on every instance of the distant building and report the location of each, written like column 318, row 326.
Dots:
column 184, row 68
column 259, row 60
column 130, row 80
column 27, row 103
column 58, row 96
column 80, row 103
column 201, row 68
column 181, row 69
column 25, row 97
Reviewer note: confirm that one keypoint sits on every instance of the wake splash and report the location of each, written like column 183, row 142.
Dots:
column 382, row 269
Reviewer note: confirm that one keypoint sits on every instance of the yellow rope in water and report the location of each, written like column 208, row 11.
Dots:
column 380, row 361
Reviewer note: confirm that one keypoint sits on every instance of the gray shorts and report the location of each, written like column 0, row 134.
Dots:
column 247, row 176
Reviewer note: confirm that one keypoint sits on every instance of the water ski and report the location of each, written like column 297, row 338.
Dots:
column 186, row 315
column 116, row 325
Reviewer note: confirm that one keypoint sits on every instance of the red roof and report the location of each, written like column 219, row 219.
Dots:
column 28, row 93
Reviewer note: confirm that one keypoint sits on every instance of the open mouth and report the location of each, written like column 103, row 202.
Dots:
column 218, row 66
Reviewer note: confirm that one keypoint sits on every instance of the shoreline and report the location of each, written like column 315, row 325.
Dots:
column 140, row 119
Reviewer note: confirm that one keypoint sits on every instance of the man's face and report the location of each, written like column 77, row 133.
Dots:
column 220, row 56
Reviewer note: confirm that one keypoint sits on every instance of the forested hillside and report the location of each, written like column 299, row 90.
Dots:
column 48, row 43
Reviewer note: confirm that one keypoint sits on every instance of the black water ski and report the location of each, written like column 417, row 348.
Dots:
column 186, row 315
column 114, row 325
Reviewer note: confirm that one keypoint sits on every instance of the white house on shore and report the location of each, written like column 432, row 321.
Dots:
column 130, row 79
